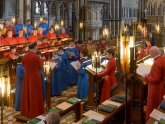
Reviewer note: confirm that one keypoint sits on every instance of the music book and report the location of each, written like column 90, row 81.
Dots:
column 64, row 106
column 76, row 65
column 157, row 115
column 104, row 63
column 143, row 69
column 111, row 102
column 52, row 64
column 91, row 112
column 94, row 69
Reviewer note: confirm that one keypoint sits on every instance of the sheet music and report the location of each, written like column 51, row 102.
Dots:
column 41, row 122
column 157, row 115
column 143, row 69
column 41, row 117
column 64, row 106
column 111, row 102
column 94, row 69
column 96, row 117
column 76, row 65
column 90, row 112
column 104, row 63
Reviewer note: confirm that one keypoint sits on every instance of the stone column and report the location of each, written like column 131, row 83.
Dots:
column 28, row 9
column 21, row 9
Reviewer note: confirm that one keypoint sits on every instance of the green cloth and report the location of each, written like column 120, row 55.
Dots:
column 90, row 122
column 54, row 110
column 34, row 121
column 72, row 100
column 106, row 108
column 161, row 121
column 119, row 98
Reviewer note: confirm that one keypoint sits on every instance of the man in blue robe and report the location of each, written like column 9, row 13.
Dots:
column 44, row 26
column 65, row 68
column 73, row 55
column 19, row 26
column 83, row 81
column 29, row 28
column 19, row 84
column 56, row 76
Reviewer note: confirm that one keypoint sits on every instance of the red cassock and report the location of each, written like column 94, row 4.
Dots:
column 21, row 40
column 9, row 55
column 110, row 79
column 33, row 38
column 63, row 35
column 51, row 36
column 141, row 54
column 1, row 41
column 32, row 103
column 9, row 41
column 156, row 85
column 40, row 35
column 10, row 27
column 148, row 49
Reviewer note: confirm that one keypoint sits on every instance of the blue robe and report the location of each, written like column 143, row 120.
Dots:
column 45, row 27
column 43, row 84
column 29, row 29
column 19, row 84
column 56, row 78
column 65, row 71
column 83, row 80
column 18, row 27
column 73, row 74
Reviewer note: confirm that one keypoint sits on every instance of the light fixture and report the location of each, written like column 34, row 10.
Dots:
column 41, row 19
column 157, row 26
column 13, row 20
column 56, row 27
column 35, row 24
column 62, row 23
column 81, row 25
column 105, row 32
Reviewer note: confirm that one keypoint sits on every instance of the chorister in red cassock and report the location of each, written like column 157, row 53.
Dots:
column 34, row 37
column 9, row 40
column 32, row 103
column 21, row 39
column 51, row 35
column 63, row 34
column 110, row 79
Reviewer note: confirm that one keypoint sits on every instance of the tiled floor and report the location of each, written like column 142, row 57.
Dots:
column 9, row 113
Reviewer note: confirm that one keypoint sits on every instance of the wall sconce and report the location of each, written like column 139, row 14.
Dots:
column 41, row 19
column 81, row 25
column 35, row 24
column 157, row 26
column 56, row 27
column 105, row 32
column 62, row 23
column 13, row 20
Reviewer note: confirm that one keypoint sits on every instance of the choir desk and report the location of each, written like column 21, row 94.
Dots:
column 116, row 116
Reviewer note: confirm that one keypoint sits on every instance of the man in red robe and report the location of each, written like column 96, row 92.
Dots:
column 51, row 35
column 34, row 37
column 8, row 26
column 1, row 39
column 156, row 81
column 40, row 33
column 9, row 40
column 12, row 52
column 32, row 103
column 109, row 74
column 63, row 34
column 141, row 53
column 148, row 43
column 21, row 39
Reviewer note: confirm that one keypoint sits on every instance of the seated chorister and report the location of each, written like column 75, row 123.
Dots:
column 34, row 37
column 12, row 53
column 9, row 40
column 21, row 39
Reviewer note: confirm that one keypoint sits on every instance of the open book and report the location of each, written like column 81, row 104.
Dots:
column 76, row 65
column 143, row 69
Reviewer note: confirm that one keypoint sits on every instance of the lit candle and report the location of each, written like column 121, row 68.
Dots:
column 35, row 24
column 1, row 26
column 56, row 27
column 8, row 86
column 3, row 86
column 62, row 23
column 13, row 20
column 47, row 69
column 41, row 19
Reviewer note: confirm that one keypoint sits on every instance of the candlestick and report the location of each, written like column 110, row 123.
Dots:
column 13, row 20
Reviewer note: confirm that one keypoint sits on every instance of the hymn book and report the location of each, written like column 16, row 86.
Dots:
column 157, row 115
column 143, row 69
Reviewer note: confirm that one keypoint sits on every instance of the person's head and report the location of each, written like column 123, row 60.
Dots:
column 9, row 33
column 40, row 31
column 60, row 50
column 44, row 39
column 63, row 31
column 7, row 21
column 52, row 118
column 140, row 48
column 33, row 47
column 51, row 30
column 20, row 33
column 20, row 21
column 154, row 52
column 39, row 41
column 34, row 31
column 148, row 42
column 51, row 42
column 26, row 47
column 72, row 44
column 55, row 54
column 44, row 20
column 89, row 40
column 28, row 21
column 110, row 53
column 13, row 48
column 19, row 59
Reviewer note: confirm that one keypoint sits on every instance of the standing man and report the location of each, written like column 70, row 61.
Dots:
column 29, row 28
column 32, row 103
column 156, row 81
column 44, row 25
column 19, row 26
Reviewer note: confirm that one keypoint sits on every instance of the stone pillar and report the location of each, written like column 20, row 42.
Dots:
column 21, row 9
column 93, row 21
column 28, row 9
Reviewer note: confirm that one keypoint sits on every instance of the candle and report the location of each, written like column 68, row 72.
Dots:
column 47, row 69
column 8, row 86
column 13, row 20
column 41, row 19
column 35, row 24
column 3, row 86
